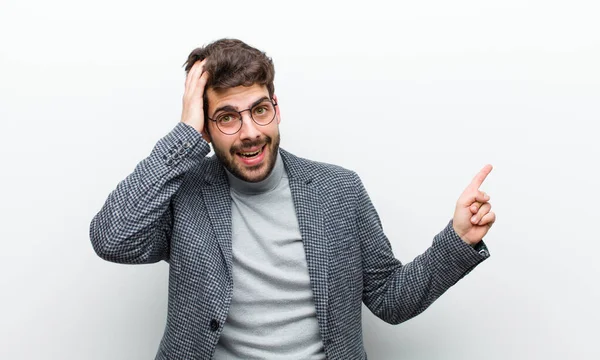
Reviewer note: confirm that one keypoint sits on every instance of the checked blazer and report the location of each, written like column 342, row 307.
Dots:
column 176, row 207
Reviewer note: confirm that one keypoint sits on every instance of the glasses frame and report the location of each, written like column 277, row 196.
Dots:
column 251, row 117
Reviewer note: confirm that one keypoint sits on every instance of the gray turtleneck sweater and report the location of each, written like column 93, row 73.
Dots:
column 272, row 313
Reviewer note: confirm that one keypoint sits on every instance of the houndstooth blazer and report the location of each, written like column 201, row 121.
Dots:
column 176, row 207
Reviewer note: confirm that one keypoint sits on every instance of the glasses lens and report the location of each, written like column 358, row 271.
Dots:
column 263, row 113
column 228, row 122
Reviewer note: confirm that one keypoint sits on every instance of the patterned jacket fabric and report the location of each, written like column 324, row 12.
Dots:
column 176, row 207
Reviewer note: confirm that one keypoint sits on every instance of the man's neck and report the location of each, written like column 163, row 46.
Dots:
column 265, row 185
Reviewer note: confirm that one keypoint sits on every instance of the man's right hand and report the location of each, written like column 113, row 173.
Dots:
column 193, row 98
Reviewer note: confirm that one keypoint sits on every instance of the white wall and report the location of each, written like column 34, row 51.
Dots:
column 415, row 96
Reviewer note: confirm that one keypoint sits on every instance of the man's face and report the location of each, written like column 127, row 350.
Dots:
column 250, row 153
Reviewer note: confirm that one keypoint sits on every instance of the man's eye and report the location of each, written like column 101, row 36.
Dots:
column 225, row 118
column 260, row 110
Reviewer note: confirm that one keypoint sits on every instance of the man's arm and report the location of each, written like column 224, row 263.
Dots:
column 395, row 292
column 134, row 225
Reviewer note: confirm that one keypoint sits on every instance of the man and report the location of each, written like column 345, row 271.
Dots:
column 270, row 255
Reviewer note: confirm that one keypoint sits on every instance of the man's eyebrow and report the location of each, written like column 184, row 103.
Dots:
column 259, row 101
column 232, row 108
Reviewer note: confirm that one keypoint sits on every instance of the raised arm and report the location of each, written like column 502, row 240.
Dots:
column 134, row 226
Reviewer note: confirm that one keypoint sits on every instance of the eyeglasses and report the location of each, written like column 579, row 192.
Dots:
column 230, row 122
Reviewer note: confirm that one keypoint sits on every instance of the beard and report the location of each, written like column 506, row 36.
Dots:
column 228, row 158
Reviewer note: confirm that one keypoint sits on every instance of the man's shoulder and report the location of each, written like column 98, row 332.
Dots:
column 316, row 170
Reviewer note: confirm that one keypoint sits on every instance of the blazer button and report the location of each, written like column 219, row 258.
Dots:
column 214, row 325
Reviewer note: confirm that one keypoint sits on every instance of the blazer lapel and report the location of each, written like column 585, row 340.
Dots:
column 307, row 202
column 217, row 200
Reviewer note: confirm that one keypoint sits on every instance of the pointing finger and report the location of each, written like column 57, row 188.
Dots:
column 480, row 177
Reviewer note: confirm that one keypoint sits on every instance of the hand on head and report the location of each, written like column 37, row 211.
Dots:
column 193, row 98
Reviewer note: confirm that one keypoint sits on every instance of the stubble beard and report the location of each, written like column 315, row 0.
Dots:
column 250, row 174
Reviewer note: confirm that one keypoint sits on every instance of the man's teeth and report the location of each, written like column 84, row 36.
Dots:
column 250, row 154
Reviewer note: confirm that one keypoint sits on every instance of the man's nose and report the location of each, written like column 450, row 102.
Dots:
column 249, row 128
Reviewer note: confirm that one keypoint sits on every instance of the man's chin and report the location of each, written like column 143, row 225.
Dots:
column 254, row 173
column 253, row 177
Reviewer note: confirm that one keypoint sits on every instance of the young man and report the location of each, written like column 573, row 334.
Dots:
column 270, row 255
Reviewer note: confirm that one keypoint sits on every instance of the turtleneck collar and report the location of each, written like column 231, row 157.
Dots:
column 265, row 185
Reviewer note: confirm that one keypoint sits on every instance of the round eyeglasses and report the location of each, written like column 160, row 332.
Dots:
column 230, row 121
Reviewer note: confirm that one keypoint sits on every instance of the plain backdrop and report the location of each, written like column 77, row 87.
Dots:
column 415, row 96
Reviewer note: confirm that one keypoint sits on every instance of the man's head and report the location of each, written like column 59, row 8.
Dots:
column 240, row 77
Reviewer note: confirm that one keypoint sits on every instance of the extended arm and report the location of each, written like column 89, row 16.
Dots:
column 396, row 292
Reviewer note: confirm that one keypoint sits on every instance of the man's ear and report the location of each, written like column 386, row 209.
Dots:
column 277, row 109
column 206, row 133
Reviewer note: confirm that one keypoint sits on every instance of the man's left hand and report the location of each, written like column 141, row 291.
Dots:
column 473, row 216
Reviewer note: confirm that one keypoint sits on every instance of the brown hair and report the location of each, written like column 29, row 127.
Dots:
column 231, row 63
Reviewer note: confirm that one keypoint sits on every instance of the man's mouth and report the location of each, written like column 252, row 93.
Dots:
column 251, row 153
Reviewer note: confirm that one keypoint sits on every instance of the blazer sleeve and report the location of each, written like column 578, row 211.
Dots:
column 396, row 292
column 135, row 223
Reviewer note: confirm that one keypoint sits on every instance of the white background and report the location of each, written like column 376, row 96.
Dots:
column 414, row 96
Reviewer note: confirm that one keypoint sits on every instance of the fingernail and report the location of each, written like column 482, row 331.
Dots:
column 474, row 219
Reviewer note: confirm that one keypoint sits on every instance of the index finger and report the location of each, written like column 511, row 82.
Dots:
column 192, row 73
column 480, row 177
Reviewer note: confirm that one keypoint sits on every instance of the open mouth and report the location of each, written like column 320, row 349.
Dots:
column 252, row 155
